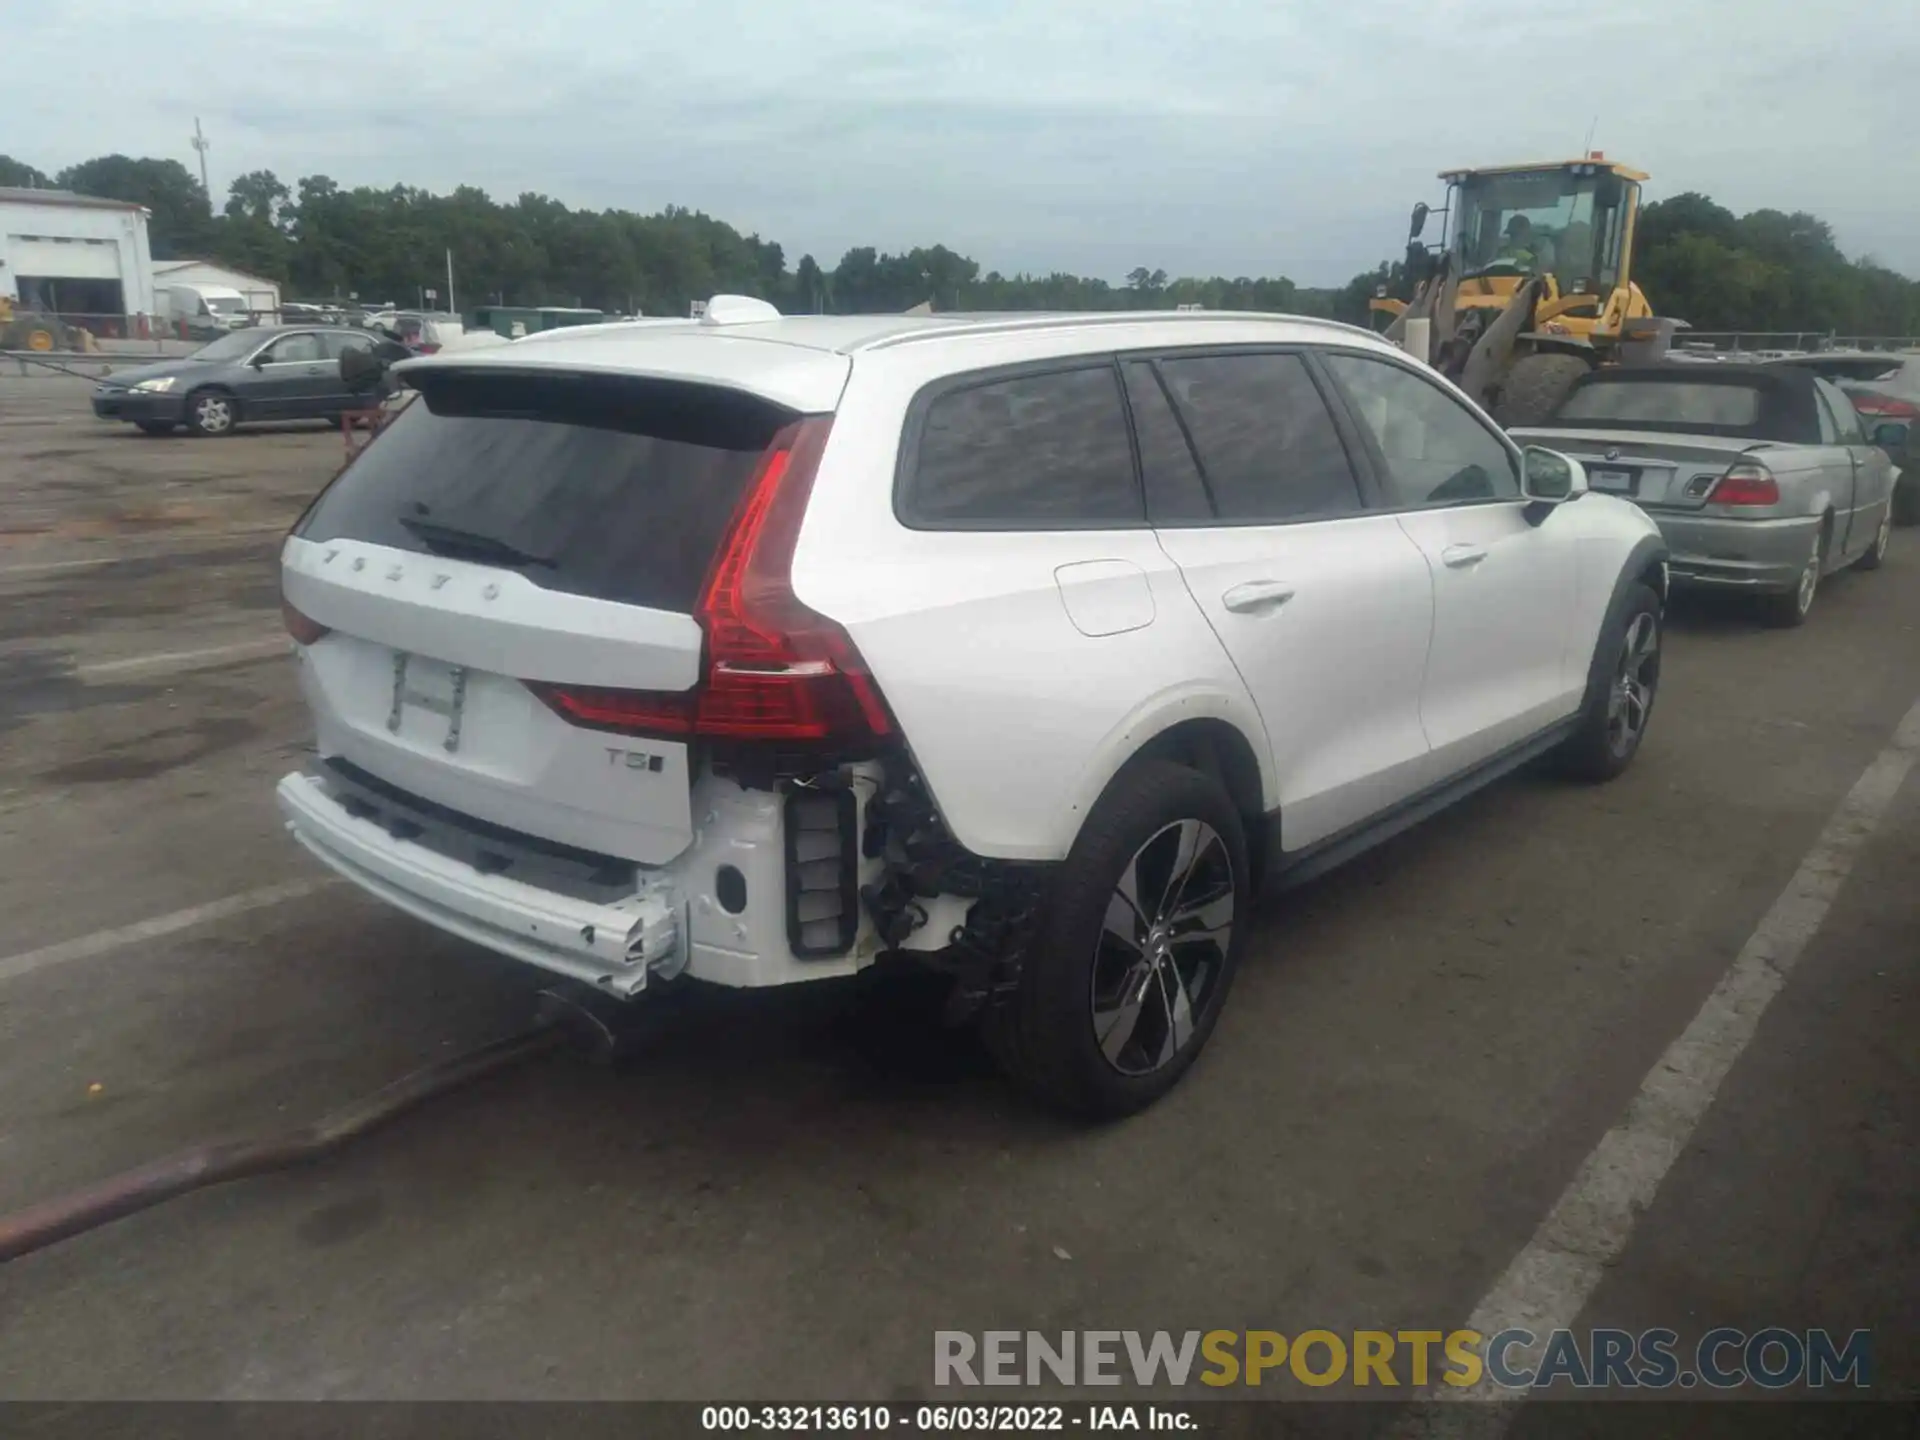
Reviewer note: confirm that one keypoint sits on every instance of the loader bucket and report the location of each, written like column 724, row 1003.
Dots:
column 1491, row 353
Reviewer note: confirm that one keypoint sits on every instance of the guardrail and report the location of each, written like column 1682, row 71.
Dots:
column 1799, row 341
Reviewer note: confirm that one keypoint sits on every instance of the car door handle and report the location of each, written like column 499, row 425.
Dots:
column 1257, row 595
column 1458, row 557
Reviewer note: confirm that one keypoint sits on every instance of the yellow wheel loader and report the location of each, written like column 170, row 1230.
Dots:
column 1530, row 285
column 25, row 330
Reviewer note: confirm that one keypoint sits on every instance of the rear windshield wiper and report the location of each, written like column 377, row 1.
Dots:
column 457, row 544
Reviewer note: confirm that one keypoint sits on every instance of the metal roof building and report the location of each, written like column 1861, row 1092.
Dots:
column 75, row 255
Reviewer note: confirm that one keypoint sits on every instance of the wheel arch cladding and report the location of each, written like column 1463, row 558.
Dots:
column 1216, row 748
column 1646, row 565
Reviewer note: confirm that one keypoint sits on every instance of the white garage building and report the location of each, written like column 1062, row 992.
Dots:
column 75, row 255
column 263, row 296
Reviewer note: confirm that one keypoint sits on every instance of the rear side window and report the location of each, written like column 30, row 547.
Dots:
column 1045, row 450
column 1266, row 442
column 615, row 489
column 338, row 342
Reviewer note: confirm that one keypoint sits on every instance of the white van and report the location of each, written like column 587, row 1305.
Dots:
column 208, row 310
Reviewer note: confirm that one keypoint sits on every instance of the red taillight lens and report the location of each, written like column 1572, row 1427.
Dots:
column 304, row 629
column 638, row 711
column 1885, row 407
column 776, row 670
column 1746, row 485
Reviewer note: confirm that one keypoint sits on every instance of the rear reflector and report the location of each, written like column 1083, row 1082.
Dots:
column 776, row 670
column 1746, row 484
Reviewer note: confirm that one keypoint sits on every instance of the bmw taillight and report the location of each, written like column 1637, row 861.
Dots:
column 1746, row 484
column 775, row 670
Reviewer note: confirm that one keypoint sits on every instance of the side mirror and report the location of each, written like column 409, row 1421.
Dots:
column 1550, row 480
column 1420, row 213
column 1891, row 434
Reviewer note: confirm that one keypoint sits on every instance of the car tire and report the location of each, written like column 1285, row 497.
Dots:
column 1157, row 995
column 1623, row 682
column 1534, row 386
column 212, row 412
column 1785, row 609
column 1906, row 498
column 154, row 427
column 1876, row 553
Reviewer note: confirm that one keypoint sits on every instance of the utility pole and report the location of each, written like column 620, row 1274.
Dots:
column 200, row 144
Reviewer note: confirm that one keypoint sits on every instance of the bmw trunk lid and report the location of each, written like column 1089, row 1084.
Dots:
column 1659, row 471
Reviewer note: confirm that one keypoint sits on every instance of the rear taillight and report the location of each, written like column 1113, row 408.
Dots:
column 1746, row 484
column 775, row 669
column 1885, row 407
column 304, row 629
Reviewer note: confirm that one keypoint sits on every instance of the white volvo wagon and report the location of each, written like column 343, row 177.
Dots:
column 755, row 649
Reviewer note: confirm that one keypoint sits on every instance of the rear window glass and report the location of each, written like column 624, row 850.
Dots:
column 1664, row 402
column 1038, row 451
column 618, row 490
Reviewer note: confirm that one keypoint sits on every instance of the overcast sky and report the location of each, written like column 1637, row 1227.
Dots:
column 1226, row 137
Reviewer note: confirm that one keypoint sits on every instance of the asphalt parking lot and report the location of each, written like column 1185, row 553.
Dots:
column 787, row 1195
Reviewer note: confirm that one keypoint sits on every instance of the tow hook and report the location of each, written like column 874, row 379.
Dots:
column 607, row 1031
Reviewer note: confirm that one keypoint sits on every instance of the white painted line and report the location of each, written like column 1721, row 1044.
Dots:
column 1550, row 1281
column 86, row 947
column 199, row 541
column 187, row 659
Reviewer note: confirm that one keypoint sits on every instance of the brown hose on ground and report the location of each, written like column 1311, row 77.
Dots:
column 39, row 1226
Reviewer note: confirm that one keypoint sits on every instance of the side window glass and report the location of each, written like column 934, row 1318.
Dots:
column 1267, row 445
column 1829, row 428
column 1176, row 493
column 338, row 342
column 1029, row 451
column 1437, row 451
column 1846, row 420
column 294, row 349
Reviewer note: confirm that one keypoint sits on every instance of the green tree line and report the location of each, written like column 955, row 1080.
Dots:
column 1768, row 270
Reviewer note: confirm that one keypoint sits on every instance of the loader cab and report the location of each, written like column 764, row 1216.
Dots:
column 1569, row 223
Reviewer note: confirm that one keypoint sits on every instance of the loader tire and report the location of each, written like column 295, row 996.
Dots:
column 1534, row 386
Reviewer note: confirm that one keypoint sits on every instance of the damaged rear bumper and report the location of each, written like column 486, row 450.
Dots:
column 726, row 910
column 611, row 946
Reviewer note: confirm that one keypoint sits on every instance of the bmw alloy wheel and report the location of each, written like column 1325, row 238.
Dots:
column 1809, row 580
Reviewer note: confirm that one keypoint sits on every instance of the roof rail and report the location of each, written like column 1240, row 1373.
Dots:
column 1066, row 320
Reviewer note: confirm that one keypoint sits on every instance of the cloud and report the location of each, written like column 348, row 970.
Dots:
column 1232, row 138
